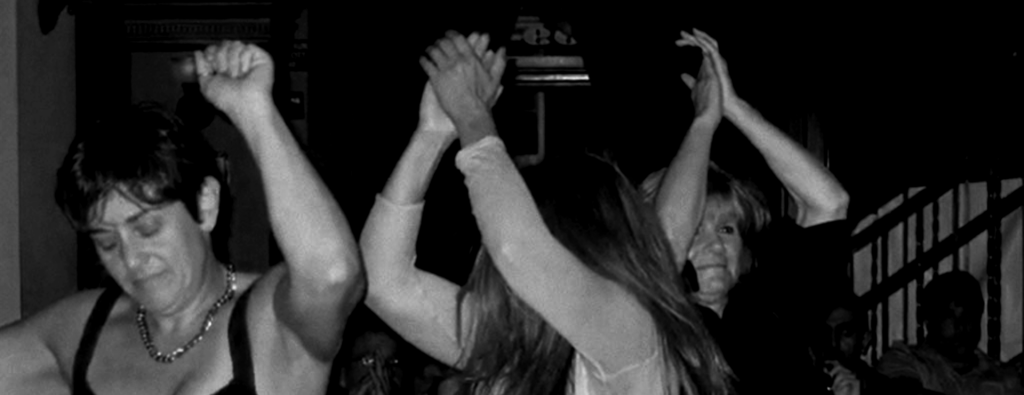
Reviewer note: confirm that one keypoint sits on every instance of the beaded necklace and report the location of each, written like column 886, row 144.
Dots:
column 147, row 340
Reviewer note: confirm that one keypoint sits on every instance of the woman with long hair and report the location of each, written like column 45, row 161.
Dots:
column 575, row 291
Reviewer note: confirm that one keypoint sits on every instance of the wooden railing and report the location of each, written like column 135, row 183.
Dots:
column 910, row 216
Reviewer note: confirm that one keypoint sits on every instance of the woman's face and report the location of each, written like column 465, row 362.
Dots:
column 155, row 253
column 717, row 249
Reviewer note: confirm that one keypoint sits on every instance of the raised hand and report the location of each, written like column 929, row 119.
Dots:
column 493, row 62
column 432, row 116
column 233, row 74
column 706, row 89
column 709, row 47
column 464, row 87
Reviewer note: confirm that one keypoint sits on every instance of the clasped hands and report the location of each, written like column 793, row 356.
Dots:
column 465, row 81
column 711, row 90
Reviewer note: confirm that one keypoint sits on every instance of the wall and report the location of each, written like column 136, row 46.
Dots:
column 46, row 123
column 10, row 289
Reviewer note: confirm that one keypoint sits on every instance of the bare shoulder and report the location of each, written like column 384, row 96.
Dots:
column 42, row 347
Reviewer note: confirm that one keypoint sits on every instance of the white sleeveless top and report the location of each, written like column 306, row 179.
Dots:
column 647, row 377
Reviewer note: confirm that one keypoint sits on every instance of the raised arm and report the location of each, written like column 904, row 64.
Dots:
column 819, row 196
column 598, row 317
column 418, row 305
column 322, row 279
column 680, row 199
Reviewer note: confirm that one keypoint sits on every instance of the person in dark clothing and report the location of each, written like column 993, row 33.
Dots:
column 760, row 293
column 949, row 361
column 841, row 344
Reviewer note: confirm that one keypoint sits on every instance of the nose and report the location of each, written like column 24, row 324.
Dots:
column 705, row 242
column 714, row 242
column 131, row 253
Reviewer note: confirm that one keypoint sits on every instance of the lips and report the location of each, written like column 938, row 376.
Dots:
column 145, row 278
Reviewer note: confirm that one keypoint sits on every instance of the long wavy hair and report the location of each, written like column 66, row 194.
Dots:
column 593, row 210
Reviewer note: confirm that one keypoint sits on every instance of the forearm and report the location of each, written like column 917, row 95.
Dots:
column 680, row 200
column 819, row 196
column 311, row 229
column 388, row 243
column 411, row 177
column 388, row 240
column 419, row 306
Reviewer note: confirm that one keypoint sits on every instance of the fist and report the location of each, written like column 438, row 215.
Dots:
column 233, row 74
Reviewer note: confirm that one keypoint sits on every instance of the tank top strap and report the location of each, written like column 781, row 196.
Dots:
column 238, row 341
column 90, row 336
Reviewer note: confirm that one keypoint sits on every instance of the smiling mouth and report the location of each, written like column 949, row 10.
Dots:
column 711, row 266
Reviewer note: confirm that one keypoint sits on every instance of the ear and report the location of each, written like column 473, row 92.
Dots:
column 209, row 204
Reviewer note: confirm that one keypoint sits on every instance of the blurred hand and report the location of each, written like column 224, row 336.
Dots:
column 844, row 381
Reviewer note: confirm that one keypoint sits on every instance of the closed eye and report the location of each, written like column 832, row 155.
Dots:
column 147, row 229
column 104, row 244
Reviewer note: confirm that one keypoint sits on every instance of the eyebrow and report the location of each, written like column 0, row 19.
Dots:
column 131, row 220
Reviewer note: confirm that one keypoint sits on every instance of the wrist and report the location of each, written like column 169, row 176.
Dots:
column 468, row 110
column 435, row 134
column 473, row 129
column 427, row 140
column 709, row 119
column 245, row 106
column 733, row 107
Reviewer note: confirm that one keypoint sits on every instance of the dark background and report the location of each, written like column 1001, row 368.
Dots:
column 903, row 97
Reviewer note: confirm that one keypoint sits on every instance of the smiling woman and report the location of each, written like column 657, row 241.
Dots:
column 148, row 193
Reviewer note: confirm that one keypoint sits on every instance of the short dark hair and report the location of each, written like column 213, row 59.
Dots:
column 847, row 300
column 957, row 286
column 146, row 154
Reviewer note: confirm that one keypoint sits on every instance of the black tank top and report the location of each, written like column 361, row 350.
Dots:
column 242, row 382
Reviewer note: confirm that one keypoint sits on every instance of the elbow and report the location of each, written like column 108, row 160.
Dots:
column 837, row 204
column 386, row 276
column 374, row 265
column 828, row 209
column 344, row 269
